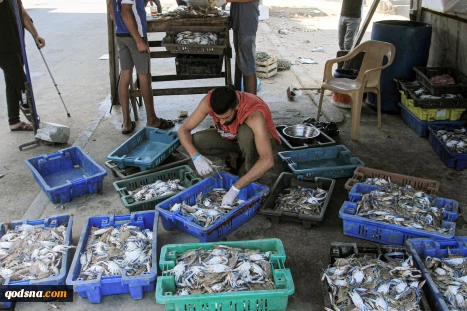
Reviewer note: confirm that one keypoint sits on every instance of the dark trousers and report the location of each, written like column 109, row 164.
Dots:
column 12, row 67
column 210, row 142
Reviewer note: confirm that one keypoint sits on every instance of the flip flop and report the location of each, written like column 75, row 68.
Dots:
column 132, row 128
column 232, row 170
column 22, row 127
column 166, row 124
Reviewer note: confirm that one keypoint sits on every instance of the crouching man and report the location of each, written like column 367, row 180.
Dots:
column 244, row 132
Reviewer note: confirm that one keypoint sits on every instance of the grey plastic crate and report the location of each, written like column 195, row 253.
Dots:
column 287, row 180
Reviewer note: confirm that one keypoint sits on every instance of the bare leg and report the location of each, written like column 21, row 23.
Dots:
column 146, row 90
column 238, row 77
column 250, row 83
column 233, row 159
column 124, row 96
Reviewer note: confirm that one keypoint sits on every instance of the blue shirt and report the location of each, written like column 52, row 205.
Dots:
column 139, row 14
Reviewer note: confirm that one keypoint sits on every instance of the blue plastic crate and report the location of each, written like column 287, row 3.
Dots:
column 67, row 174
column 450, row 159
column 251, row 194
column 115, row 285
column 451, row 207
column 146, row 149
column 49, row 222
column 381, row 232
column 5, row 305
column 330, row 162
column 422, row 248
column 421, row 127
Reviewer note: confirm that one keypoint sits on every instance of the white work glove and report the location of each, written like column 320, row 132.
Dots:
column 202, row 165
column 230, row 196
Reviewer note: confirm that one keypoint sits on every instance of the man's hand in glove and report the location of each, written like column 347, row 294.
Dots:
column 230, row 196
column 202, row 165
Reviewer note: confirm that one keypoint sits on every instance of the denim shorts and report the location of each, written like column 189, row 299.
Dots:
column 245, row 51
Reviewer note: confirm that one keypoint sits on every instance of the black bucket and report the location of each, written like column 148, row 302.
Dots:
column 412, row 41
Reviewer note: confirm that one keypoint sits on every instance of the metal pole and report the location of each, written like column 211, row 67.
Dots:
column 55, row 84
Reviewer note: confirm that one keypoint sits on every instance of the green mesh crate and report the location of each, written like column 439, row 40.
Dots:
column 259, row 300
column 184, row 173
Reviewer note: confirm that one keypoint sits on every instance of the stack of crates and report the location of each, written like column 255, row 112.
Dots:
column 420, row 113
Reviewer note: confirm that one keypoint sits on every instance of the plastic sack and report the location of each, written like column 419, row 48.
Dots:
column 452, row 6
column 204, row 3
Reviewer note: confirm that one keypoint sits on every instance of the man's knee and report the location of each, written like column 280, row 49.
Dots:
column 245, row 133
column 198, row 139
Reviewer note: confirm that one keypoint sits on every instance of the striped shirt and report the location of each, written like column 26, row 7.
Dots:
column 137, row 7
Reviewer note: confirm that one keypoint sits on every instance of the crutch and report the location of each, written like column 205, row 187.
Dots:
column 55, row 84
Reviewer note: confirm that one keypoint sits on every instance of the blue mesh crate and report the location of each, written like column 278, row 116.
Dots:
column 48, row 222
column 421, row 127
column 251, row 194
column 329, row 162
column 146, row 149
column 136, row 286
column 6, row 305
column 451, row 207
column 67, row 174
column 422, row 248
column 381, row 232
column 450, row 159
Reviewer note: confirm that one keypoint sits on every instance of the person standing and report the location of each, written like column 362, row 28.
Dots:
column 244, row 19
column 349, row 22
column 11, row 61
column 156, row 4
column 133, row 51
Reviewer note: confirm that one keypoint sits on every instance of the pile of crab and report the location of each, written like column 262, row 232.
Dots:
column 31, row 252
column 368, row 283
column 222, row 269
column 115, row 251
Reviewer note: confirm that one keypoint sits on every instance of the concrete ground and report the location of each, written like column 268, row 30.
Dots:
column 76, row 38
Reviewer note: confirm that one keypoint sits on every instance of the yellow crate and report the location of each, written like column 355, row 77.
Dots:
column 452, row 114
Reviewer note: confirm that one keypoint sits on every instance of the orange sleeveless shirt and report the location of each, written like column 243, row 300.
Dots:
column 247, row 103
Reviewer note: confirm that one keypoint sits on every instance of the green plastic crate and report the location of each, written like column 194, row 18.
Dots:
column 260, row 300
column 184, row 173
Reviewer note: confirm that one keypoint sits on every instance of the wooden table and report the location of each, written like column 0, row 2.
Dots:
column 159, row 25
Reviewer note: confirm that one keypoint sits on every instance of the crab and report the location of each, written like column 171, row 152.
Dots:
column 113, row 268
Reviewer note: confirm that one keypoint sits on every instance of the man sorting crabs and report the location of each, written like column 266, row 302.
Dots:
column 244, row 132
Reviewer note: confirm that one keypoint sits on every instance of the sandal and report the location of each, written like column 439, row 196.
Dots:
column 132, row 128
column 28, row 113
column 166, row 124
column 232, row 170
column 23, row 126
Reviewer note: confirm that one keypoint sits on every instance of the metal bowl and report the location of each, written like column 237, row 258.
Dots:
column 301, row 133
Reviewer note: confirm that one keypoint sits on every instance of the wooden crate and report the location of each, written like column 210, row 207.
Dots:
column 266, row 68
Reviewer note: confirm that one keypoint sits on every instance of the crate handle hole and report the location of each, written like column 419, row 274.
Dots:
column 140, row 218
column 105, row 221
column 167, row 294
column 54, row 274
column 280, row 279
column 80, row 279
column 171, row 253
